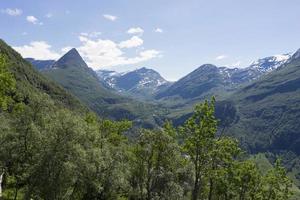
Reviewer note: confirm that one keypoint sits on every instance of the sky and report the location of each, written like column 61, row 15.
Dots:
column 173, row 37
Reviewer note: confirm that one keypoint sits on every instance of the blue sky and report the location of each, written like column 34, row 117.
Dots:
column 171, row 36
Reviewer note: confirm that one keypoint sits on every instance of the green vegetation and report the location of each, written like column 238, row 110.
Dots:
column 7, row 83
column 268, row 111
column 72, row 73
column 52, row 147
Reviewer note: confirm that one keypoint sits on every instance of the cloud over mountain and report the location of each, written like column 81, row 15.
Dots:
column 37, row 49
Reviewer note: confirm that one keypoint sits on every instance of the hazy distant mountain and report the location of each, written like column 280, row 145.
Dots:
column 210, row 80
column 259, row 67
column 41, row 64
column 139, row 82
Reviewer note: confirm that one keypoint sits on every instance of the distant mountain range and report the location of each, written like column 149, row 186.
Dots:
column 71, row 72
column 141, row 82
column 203, row 82
column 105, row 91
column 210, row 80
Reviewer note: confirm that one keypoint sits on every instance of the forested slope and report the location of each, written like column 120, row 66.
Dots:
column 52, row 148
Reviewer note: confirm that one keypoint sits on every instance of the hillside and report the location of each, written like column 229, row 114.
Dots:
column 31, row 83
column 269, row 109
column 71, row 72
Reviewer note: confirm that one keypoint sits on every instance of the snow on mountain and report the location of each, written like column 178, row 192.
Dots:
column 140, row 81
column 254, row 70
column 109, row 77
column 270, row 63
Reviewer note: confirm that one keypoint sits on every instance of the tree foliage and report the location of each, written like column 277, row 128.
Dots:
column 7, row 83
column 50, row 152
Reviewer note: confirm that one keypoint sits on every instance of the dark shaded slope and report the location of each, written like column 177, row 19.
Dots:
column 31, row 82
column 197, row 83
column 269, row 110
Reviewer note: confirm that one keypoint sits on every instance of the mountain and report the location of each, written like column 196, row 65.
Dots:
column 200, row 82
column 31, row 84
column 210, row 80
column 71, row 72
column 109, row 77
column 268, row 64
column 40, row 64
column 258, row 68
column 264, row 115
column 269, row 109
column 140, row 82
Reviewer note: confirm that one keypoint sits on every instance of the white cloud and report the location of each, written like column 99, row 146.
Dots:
column 24, row 33
column 110, row 17
column 135, row 30
column 107, row 53
column 134, row 41
column 34, row 20
column 98, row 53
column 221, row 57
column 12, row 12
column 49, row 15
column 93, row 34
column 66, row 49
column 158, row 30
column 37, row 49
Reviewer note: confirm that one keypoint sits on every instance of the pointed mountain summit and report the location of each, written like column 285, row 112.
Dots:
column 71, row 59
column 71, row 72
column 31, row 84
column 198, row 83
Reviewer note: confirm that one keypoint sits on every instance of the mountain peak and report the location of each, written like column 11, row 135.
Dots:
column 139, row 82
column 270, row 63
column 72, row 52
column 143, row 70
column 207, row 66
column 71, row 59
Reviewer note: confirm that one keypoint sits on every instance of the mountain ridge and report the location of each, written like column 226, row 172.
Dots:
column 139, row 82
column 71, row 72
column 208, row 77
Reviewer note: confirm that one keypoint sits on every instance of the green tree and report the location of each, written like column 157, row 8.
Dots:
column 276, row 184
column 7, row 84
column 223, row 155
column 156, row 166
column 199, row 134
